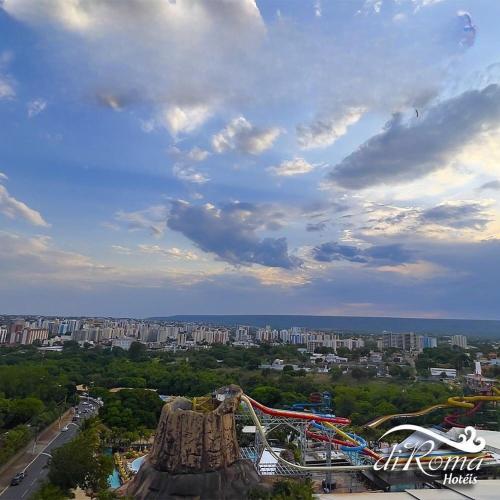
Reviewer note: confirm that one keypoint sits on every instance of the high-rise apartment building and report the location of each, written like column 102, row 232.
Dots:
column 29, row 335
column 427, row 342
column 4, row 334
column 407, row 341
column 459, row 340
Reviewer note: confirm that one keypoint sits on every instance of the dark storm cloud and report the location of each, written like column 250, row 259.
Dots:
column 459, row 216
column 406, row 151
column 393, row 254
column 316, row 226
column 330, row 251
column 230, row 232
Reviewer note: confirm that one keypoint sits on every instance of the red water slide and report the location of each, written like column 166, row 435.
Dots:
column 298, row 414
column 451, row 420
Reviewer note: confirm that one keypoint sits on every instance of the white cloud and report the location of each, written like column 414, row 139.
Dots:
column 6, row 88
column 184, row 119
column 121, row 249
column 297, row 166
column 181, row 57
column 324, row 132
column 36, row 106
column 183, row 167
column 169, row 252
column 36, row 257
column 177, row 119
column 6, row 82
column 13, row 208
column 317, row 8
column 189, row 59
column 240, row 135
column 189, row 174
column 194, row 155
column 38, row 260
column 197, row 154
column 152, row 219
column 467, row 220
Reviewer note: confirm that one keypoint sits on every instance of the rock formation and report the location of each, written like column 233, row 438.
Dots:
column 195, row 454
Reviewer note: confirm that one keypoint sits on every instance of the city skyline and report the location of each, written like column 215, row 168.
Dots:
column 316, row 158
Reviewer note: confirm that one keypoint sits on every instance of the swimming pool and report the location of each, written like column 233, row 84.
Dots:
column 114, row 479
column 136, row 464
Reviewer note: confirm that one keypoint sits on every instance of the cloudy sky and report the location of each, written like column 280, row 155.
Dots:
column 242, row 156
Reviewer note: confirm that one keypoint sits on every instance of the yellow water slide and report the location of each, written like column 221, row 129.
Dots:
column 455, row 401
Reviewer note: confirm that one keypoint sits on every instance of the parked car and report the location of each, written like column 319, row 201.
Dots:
column 65, row 428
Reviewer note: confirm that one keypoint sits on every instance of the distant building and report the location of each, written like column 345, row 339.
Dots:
column 242, row 333
column 459, row 340
column 123, row 343
column 427, row 342
column 4, row 334
column 16, row 330
column 278, row 365
column 29, row 335
column 443, row 372
column 181, row 338
column 350, row 343
column 407, row 341
column 333, row 358
column 204, row 335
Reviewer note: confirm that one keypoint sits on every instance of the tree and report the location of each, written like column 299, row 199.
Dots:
column 267, row 395
column 137, row 351
column 71, row 345
column 49, row 491
column 358, row 373
column 335, row 372
column 285, row 489
column 25, row 409
column 79, row 463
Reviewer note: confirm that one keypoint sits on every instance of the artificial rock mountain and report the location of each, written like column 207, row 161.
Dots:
column 195, row 454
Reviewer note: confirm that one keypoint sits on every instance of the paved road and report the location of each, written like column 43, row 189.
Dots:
column 37, row 470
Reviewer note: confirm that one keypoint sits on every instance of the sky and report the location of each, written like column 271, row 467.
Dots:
column 250, row 157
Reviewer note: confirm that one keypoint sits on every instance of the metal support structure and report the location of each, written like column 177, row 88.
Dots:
column 260, row 429
column 328, row 475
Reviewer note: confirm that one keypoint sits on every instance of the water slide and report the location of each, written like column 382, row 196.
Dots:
column 351, row 441
column 252, row 404
column 380, row 420
column 296, row 414
column 451, row 420
column 455, row 402
column 471, row 403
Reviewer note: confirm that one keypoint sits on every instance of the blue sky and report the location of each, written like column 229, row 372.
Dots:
column 277, row 157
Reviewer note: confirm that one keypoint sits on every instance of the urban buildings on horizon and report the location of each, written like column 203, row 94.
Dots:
column 121, row 332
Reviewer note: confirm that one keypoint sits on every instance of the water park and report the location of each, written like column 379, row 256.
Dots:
column 305, row 439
